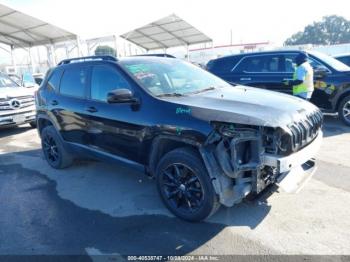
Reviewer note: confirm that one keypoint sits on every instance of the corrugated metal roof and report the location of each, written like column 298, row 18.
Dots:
column 170, row 31
column 21, row 30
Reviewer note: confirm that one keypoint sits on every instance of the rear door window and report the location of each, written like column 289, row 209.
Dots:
column 74, row 81
column 54, row 81
column 260, row 64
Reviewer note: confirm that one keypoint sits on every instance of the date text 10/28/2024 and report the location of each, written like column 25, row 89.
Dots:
column 173, row 258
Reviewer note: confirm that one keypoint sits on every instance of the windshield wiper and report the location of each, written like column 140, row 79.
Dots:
column 170, row 94
column 202, row 90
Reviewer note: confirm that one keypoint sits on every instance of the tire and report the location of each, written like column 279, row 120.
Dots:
column 33, row 124
column 344, row 110
column 55, row 153
column 185, row 186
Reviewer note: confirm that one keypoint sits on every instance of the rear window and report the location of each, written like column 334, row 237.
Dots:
column 222, row 65
column 74, row 81
column 345, row 60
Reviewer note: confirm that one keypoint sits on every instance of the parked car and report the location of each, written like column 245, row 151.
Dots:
column 16, row 78
column 26, row 79
column 204, row 142
column 268, row 70
column 16, row 103
column 344, row 58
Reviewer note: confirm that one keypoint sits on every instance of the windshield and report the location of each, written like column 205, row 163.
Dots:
column 173, row 77
column 5, row 81
column 336, row 64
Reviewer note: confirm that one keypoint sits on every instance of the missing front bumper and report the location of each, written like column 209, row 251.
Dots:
column 294, row 180
column 287, row 163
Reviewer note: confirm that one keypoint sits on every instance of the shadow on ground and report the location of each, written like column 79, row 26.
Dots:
column 333, row 126
column 36, row 220
column 10, row 131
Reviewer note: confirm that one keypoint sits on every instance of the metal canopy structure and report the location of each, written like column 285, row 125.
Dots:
column 170, row 31
column 21, row 30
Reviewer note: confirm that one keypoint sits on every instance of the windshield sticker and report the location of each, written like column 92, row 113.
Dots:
column 142, row 75
column 181, row 110
column 140, row 71
column 140, row 68
column 178, row 131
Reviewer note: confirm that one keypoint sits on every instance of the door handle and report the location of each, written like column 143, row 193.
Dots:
column 245, row 79
column 54, row 102
column 91, row 109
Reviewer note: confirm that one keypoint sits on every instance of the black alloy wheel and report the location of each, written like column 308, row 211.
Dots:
column 54, row 151
column 184, row 185
column 50, row 149
column 182, row 188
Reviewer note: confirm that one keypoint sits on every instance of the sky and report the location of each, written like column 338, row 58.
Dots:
column 250, row 21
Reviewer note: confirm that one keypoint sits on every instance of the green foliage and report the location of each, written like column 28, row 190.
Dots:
column 331, row 30
column 105, row 50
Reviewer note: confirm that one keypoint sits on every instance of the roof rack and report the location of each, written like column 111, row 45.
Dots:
column 87, row 58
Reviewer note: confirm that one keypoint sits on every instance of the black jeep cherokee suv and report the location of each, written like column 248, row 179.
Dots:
column 268, row 70
column 205, row 142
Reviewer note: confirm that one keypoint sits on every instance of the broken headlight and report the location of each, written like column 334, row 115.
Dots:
column 276, row 141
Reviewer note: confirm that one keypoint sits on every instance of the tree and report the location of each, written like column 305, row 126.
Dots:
column 105, row 50
column 331, row 30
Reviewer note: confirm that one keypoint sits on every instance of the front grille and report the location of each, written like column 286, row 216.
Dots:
column 304, row 131
column 24, row 101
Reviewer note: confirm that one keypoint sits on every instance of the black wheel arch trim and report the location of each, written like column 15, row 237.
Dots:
column 210, row 163
column 345, row 92
column 44, row 116
column 155, row 149
column 55, row 125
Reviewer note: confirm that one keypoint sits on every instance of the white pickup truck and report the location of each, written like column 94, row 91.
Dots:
column 16, row 103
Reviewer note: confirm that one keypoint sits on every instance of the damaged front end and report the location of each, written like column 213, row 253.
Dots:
column 243, row 159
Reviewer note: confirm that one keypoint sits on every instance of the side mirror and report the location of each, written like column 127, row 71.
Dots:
column 320, row 72
column 122, row 95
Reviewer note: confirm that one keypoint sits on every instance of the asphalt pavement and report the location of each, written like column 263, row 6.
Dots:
column 94, row 208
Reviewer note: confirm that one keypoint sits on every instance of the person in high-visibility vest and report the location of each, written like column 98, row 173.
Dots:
column 303, row 78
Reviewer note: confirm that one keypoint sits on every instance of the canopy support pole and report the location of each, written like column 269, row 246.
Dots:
column 13, row 58
column 31, row 60
column 188, row 52
column 51, row 55
column 78, row 47
column 115, row 46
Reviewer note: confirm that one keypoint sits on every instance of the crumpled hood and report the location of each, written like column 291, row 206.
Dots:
column 12, row 92
column 247, row 105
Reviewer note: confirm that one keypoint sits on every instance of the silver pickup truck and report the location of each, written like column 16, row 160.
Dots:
column 16, row 103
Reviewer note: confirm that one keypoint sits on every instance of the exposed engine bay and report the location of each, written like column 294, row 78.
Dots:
column 244, row 159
